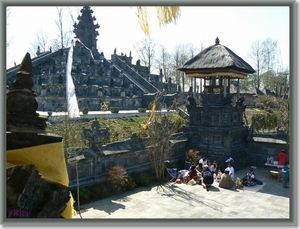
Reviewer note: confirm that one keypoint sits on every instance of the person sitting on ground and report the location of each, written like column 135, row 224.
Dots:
column 204, row 161
column 231, row 170
column 199, row 167
column 193, row 174
column 216, row 168
column 208, row 178
column 218, row 176
column 182, row 175
column 226, row 180
column 249, row 179
column 210, row 166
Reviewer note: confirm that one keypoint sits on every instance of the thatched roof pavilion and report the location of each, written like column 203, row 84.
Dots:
column 215, row 64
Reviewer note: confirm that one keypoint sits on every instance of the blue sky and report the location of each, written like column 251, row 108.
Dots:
column 236, row 27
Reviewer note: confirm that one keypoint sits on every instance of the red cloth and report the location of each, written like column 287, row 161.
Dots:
column 282, row 157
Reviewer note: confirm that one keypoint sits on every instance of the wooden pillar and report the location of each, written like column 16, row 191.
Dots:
column 238, row 89
column 228, row 90
column 200, row 85
column 224, row 87
column 195, row 89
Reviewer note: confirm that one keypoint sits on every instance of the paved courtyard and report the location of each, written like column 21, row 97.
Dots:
column 182, row 201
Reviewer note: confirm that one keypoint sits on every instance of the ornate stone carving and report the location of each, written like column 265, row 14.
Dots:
column 96, row 135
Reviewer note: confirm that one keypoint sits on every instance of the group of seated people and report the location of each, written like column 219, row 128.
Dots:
column 206, row 172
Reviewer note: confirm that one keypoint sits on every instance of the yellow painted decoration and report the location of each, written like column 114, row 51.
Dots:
column 145, row 126
column 165, row 15
column 50, row 162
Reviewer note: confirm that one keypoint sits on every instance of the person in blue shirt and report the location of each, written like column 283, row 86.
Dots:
column 208, row 178
column 286, row 174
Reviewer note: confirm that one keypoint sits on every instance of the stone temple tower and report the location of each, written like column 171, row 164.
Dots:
column 216, row 124
column 86, row 30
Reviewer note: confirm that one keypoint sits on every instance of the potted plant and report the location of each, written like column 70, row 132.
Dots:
column 85, row 110
column 114, row 109
column 104, row 106
column 141, row 109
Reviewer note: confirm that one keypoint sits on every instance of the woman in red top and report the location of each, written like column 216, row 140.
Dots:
column 282, row 158
column 193, row 174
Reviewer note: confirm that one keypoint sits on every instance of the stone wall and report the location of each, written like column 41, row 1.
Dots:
column 130, row 154
column 260, row 147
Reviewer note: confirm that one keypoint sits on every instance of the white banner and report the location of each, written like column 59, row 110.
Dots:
column 73, row 110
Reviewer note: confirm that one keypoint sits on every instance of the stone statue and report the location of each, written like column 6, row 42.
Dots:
column 95, row 136
column 240, row 101
column 192, row 103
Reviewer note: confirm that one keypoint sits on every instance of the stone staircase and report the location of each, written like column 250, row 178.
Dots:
column 133, row 76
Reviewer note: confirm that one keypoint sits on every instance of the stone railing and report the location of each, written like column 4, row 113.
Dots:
column 133, row 76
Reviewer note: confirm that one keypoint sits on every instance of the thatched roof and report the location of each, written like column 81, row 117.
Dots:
column 217, row 59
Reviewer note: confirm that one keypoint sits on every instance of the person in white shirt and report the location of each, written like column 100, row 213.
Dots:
column 203, row 161
column 231, row 170
column 210, row 166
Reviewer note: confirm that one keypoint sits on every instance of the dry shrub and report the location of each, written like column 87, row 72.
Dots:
column 118, row 180
column 192, row 156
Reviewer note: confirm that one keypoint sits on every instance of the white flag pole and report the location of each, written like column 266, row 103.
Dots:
column 73, row 110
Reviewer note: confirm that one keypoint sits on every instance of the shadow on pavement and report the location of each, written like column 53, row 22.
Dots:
column 109, row 207
column 273, row 186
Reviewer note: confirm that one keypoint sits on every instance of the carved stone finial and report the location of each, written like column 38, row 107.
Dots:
column 21, row 106
column 26, row 65
column 217, row 41
column 24, row 79
column 38, row 51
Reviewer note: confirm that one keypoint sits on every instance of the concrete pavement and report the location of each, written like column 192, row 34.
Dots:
column 182, row 201
column 60, row 116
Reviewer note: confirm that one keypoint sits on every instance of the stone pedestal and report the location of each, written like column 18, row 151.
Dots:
column 216, row 128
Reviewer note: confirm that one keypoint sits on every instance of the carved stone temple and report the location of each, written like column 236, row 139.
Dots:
column 116, row 81
column 216, row 125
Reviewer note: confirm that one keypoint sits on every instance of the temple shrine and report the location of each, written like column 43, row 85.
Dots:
column 216, row 126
